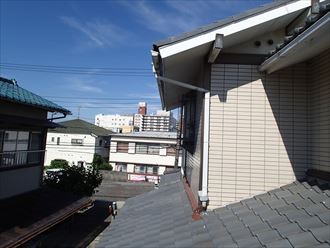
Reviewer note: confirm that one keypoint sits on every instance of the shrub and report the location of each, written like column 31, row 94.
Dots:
column 75, row 179
column 100, row 163
column 105, row 166
column 58, row 164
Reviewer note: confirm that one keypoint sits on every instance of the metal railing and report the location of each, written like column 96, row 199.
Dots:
column 20, row 158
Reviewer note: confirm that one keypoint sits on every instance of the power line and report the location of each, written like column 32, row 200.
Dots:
column 143, row 72
column 78, row 67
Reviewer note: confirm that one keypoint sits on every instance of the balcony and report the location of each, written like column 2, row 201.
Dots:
column 20, row 158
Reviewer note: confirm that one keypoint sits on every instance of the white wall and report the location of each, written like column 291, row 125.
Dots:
column 162, row 160
column 68, row 151
column 113, row 122
column 18, row 181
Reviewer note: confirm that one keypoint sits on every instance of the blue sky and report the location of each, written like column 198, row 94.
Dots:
column 97, row 34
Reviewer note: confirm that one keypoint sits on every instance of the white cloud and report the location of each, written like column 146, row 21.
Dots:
column 84, row 84
column 99, row 33
column 177, row 16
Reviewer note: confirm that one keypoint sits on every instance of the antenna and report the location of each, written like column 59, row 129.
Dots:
column 79, row 107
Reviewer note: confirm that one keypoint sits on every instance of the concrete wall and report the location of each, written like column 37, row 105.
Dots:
column 319, row 112
column 14, row 182
column 258, row 130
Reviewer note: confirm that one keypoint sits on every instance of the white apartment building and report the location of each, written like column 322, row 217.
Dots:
column 162, row 121
column 143, row 155
column 115, row 123
column 77, row 141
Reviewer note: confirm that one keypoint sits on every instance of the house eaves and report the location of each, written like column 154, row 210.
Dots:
column 229, row 26
column 312, row 39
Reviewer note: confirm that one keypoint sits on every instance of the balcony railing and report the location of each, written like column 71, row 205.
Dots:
column 20, row 158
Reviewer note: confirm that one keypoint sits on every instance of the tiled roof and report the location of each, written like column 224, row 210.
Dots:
column 10, row 91
column 295, row 215
column 146, row 134
column 78, row 126
column 324, row 8
column 223, row 22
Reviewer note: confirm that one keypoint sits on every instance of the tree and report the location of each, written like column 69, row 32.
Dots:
column 75, row 179
column 100, row 163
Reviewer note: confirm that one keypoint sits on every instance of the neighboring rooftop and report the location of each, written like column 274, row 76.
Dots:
column 146, row 134
column 295, row 215
column 78, row 126
column 10, row 91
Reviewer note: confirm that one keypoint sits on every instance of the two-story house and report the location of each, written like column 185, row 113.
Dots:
column 77, row 141
column 255, row 90
column 143, row 155
column 23, row 129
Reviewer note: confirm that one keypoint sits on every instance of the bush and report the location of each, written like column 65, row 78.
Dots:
column 105, row 166
column 58, row 164
column 100, row 163
column 75, row 179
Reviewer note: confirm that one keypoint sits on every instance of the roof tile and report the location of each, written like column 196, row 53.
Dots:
column 10, row 91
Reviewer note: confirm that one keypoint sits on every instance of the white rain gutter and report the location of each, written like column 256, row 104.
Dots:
column 203, row 194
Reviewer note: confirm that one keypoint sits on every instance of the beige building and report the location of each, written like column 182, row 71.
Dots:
column 255, row 92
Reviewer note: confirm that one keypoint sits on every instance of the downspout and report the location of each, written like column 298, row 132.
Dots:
column 203, row 194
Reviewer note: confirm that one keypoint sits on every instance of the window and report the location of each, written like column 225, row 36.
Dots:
column 19, row 148
column 146, row 169
column 189, row 122
column 100, row 142
column 147, row 148
column 141, row 148
column 77, row 142
column 122, row 147
column 53, row 139
column 58, row 141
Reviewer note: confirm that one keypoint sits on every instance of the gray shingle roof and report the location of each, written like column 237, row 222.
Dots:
column 296, row 215
column 78, row 126
column 10, row 91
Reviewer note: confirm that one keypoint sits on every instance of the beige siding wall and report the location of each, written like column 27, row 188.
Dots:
column 258, row 131
column 319, row 88
column 194, row 160
column 14, row 182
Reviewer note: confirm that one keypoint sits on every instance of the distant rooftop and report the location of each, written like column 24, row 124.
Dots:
column 145, row 134
column 78, row 126
column 10, row 91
